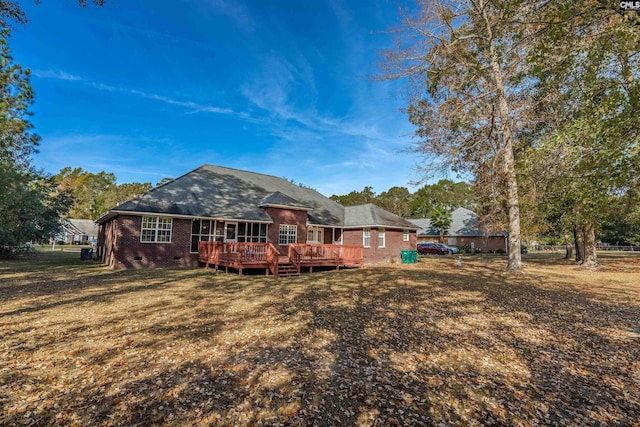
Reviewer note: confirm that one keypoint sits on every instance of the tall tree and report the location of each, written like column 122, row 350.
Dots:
column 95, row 193
column 464, row 62
column 121, row 193
column 36, row 204
column 396, row 200
column 89, row 189
column 443, row 193
column 621, row 225
column 367, row 195
column 587, row 147
column 30, row 202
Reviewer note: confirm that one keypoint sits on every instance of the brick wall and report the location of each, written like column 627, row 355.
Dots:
column 393, row 244
column 129, row 252
column 487, row 244
column 289, row 217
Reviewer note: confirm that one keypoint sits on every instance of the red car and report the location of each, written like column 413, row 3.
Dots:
column 431, row 248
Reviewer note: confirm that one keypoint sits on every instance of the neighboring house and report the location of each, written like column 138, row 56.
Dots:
column 77, row 231
column 465, row 229
column 250, row 221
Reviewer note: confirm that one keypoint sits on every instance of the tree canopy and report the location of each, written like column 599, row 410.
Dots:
column 421, row 204
column 95, row 193
column 537, row 101
column 31, row 202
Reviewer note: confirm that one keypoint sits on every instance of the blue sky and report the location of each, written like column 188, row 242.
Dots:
column 153, row 89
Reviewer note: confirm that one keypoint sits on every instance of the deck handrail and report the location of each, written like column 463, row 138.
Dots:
column 245, row 252
column 294, row 256
column 272, row 258
column 310, row 252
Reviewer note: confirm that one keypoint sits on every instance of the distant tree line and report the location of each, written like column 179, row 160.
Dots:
column 619, row 222
column 423, row 203
column 95, row 193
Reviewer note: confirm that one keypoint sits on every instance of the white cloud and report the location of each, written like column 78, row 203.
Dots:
column 190, row 105
column 194, row 107
column 52, row 74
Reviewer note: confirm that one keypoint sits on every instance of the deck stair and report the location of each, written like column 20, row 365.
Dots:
column 286, row 267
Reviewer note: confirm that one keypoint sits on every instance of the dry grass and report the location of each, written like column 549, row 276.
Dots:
column 399, row 345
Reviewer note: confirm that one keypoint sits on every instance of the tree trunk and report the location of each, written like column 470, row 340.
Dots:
column 589, row 240
column 508, row 161
column 567, row 247
column 578, row 238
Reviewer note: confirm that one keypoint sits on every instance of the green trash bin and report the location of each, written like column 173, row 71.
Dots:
column 414, row 256
column 406, row 257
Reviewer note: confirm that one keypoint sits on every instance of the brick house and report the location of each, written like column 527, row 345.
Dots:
column 235, row 218
column 465, row 229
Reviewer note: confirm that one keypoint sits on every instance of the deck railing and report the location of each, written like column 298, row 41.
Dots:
column 244, row 253
column 266, row 254
column 272, row 258
column 310, row 253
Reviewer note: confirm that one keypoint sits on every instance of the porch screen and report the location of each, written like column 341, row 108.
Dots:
column 201, row 230
column 205, row 230
column 252, row 232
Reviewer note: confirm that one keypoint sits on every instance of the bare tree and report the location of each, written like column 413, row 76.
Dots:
column 465, row 62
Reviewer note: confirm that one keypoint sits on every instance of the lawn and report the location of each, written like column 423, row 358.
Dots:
column 395, row 345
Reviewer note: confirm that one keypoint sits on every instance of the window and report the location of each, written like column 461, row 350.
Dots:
column 405, row 235
column 156, row 229
column 366, row 237
column 381, row 237
column 288, row 234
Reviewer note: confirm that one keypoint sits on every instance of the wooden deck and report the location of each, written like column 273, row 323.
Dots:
column 265, row 256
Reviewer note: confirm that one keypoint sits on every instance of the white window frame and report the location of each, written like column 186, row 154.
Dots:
column 405, row 235
column 288, row 234
column 381, row 237
column 366, row 237
column 316, row 233
column 156, row 226
column 333, row 236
